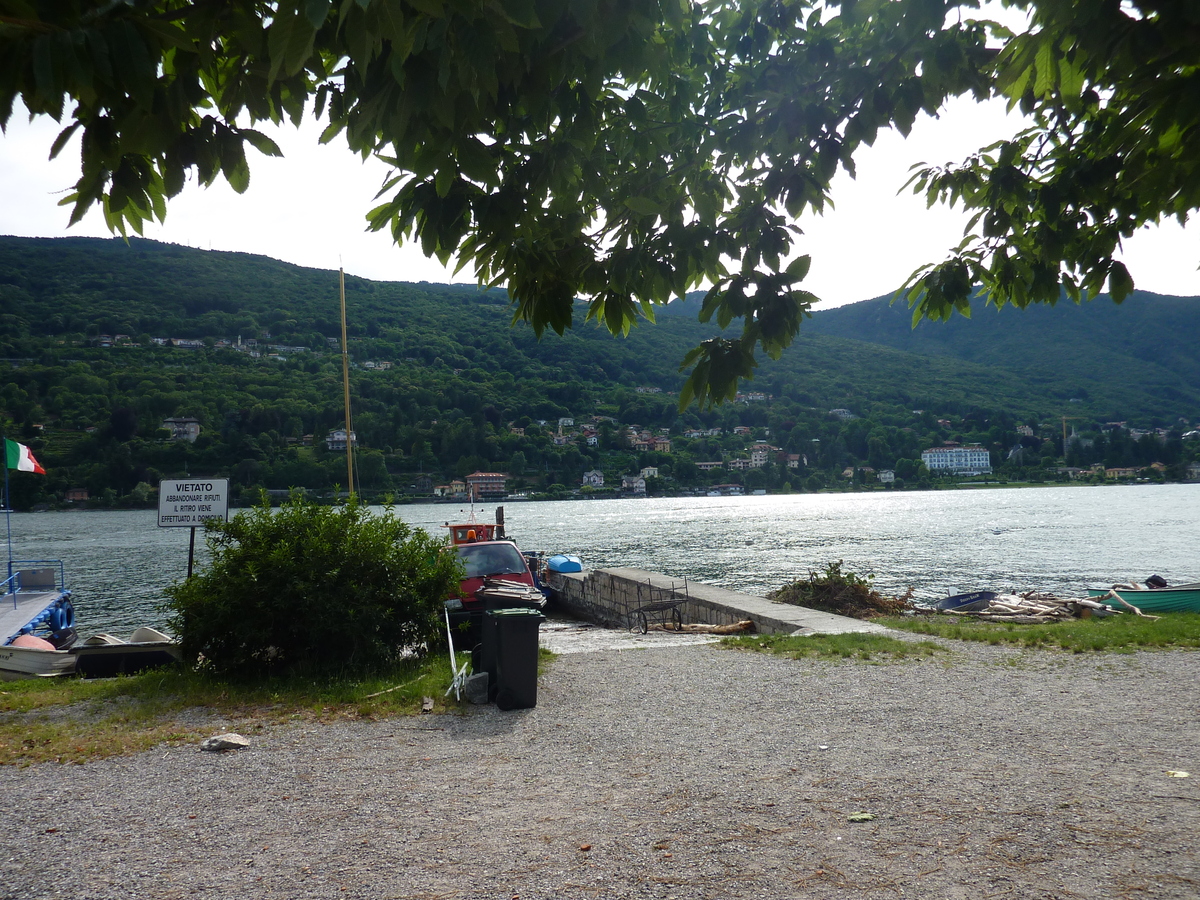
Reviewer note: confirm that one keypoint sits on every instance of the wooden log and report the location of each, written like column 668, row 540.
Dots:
column 1114, row 595
column 701, row 628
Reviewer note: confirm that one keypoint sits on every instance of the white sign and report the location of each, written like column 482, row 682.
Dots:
column 187, row 502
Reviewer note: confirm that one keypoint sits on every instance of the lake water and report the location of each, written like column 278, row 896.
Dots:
column 1060, row 539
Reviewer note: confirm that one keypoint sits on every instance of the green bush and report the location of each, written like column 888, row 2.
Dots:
column 312, row 588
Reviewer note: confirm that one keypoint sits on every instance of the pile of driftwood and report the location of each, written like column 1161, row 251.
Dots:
column 1037, row 608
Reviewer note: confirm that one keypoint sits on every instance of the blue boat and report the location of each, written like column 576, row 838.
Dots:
column 975, row 601
column 564, row 562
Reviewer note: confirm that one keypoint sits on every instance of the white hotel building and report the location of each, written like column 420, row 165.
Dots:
column 971, row 459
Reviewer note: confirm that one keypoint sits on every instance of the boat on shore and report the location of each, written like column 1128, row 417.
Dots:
column 105, row 656
column 38, row 638
column 1173, row 598
column 969, row 602
column 37, row 621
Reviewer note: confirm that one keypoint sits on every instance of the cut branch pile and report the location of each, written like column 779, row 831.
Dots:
column 843, row 593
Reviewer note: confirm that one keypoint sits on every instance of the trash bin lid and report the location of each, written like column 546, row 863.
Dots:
column 515, row 611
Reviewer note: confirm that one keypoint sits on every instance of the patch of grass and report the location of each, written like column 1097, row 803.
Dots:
column 869, row 647
column 73, row 720
column 1121, row 634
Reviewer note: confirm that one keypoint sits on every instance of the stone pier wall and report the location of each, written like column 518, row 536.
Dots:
column 612, row 597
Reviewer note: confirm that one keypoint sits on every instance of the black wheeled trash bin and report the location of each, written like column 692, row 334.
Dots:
column 509, row 654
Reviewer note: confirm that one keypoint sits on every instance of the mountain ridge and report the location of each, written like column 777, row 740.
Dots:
column 1127, row 361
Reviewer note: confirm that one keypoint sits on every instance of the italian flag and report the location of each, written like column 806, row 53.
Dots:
column 20, row 458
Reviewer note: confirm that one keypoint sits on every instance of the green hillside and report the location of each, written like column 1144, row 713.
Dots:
column 442, row 380
column 1132, row 360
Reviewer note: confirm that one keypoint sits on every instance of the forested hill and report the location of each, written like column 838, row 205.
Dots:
column 1132, row 361
column 1136, row 355
column 1149, row 340
column 66, row 285
column 443, row 381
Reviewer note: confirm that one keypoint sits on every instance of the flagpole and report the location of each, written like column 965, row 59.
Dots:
column 7, row 508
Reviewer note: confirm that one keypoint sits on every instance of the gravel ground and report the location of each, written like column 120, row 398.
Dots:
column 683, row 771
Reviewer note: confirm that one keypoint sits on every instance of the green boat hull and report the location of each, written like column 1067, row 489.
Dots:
column 1185, row 598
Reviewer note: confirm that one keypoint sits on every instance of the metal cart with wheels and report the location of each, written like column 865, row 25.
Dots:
column 661, row 603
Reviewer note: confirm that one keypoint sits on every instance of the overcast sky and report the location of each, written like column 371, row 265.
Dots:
column 309, row 209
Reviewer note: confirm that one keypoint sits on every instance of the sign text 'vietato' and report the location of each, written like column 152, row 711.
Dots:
column 187, row 502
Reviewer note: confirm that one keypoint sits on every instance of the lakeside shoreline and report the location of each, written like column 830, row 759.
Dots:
column 439, row 501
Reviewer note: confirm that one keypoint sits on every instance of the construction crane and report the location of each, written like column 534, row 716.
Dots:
column 1064, row 420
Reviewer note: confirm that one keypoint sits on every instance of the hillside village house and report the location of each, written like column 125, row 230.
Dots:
column 760, row 455
column 486, row 485
column 633, row 484
column 645, row 439
column 653, row 442
column 335, row 441
column 182, row 428
column 970, row 459
column 594, row 478
column 1122, row 472
column 650, row 472
column 708, row 466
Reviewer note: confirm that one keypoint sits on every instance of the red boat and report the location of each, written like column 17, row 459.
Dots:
column 497, row 575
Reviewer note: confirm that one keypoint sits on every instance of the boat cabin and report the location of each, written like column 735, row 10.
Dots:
column 472, row 532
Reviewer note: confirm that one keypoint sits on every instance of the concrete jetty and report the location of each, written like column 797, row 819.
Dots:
column 613, row 597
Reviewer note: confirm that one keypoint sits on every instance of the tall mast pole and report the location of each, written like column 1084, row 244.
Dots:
column 346, row 386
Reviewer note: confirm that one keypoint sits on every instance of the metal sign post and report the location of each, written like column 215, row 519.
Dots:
column 189, row 503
